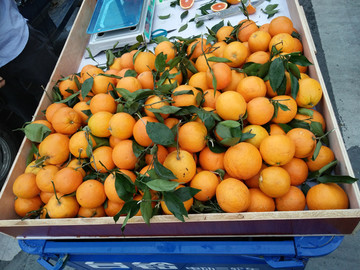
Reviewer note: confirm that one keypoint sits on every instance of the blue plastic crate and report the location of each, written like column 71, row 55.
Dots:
column 199, row 254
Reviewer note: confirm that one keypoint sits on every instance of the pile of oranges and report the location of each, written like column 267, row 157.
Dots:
column 184, row 117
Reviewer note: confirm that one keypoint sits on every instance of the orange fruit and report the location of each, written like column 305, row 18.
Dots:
column 253, row 182
column 222, row 73
column 187, row 204
column 277, row 150
column 325, row 156
column 85, row 68
column 45, row 178
column 309, row 94
column 259, row 111
column 230, row 105
column 260, row 202
column 60, row 206
column 23, row 206
column 79, row 143
column 161, row 154
column 210, row 97
column 207, row 182
column 210, row 160
column 25, row 186
column 102, row 103
column 316, row 117
column 233, row 196
column 123, row 155
column 110, row 189
column 202, row 63
column 182, row 165
column 236, row 77
column 298, row 171
column 55, row 148
column 259, row 41
column 121, row 125
column 146, row 80
column 68, row 86
column 285, row 116
column 52, row 108
column 218, row 48
column 236, row 52
column 90, row 194
column 199, row 80
column 129, row 83
column 103, row 84
column 101, row 159
column 171, row 122
column 114, row 141
column 91, row 72
column 242, row 160
column 293, row 200
column 126, row 60
column 264, row 27
column 246, row 29
column 251, row 87
column 45, row 123
column 192, row 136
column 113, row 208
column 326, row 196
column 224, row 33
column 32, row 167
column 275, row 129
column 85, row 212
column 144, row 61
column 283, row 42
column 167, row 48
column 77, row 165
column 155, row 102
column 67, row 180
column 260, row 134
column 66, row 121
column 259, row 57
column 304, row 140
column 281, row 24
column 182, row 100
column 116, row 65
column 45, row 196
column 81, row 108
column 197, row 47
column 298, row 47
column 99, row 124
column 274, row 181
column 139, row 131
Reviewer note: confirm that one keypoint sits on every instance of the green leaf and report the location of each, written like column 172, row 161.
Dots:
column 165, row 110
column 164, row 17
column 285, row 127
column 216, row 147
column 246, row 136
column 199, row 24
column 162, row 185
column 183, row 92
column 183, row 28
column 300, row 60
column 339, row 179
column 160, row 62
column 162, row 171
column 146, row 207
column 125, row 188
column 294, row 85
column 36, row 132
column 130, row 209
column 295, row 123
column 306, row 111
column 186, row 193
column 130, row 73
column 159, row 133
column 263, row 70
column 293, row 69
column 110, row 58
column 328, row 167
column 217, row 26
column 317, row 150
column 218, row 59
column 316, row 128
column 184, row 14
column 86, row 86
column 137, row 149
column 175, row 205
column 276, row 73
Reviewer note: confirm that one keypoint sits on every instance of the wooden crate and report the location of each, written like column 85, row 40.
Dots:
column 325, row 222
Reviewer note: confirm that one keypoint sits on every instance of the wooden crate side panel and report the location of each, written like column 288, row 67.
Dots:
column 68, row 62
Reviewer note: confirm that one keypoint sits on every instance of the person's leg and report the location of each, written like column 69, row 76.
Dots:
column 27, row 75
